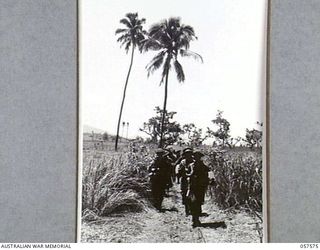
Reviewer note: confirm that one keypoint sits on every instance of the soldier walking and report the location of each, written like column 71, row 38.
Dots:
column 160, row 177
column 184, row 171
column 194, row 181
column 200, row 178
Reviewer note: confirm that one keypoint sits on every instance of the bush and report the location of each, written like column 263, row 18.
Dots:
column 237, row 180
column 114, row 183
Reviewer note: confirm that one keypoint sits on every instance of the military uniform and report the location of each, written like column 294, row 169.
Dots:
column 160, row 178
column 194, row 181
column 200, row 179
column 184, row 172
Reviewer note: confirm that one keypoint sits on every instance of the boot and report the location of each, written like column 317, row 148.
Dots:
column 195, row 221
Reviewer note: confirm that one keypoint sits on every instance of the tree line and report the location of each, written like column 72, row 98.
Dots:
column 171, row 40
column 189, row 134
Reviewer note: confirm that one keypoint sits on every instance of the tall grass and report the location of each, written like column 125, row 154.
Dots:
column 118, row 182
column 237, row 180
column 114, row 183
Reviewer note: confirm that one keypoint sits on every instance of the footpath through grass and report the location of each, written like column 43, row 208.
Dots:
column 173, row 226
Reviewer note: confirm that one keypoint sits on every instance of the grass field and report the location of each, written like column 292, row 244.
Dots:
column 116, row 193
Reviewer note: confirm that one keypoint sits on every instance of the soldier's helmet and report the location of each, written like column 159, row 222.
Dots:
column 187, row 151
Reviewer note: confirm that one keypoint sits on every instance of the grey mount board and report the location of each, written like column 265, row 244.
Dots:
column 294, row 121
column 38, row 120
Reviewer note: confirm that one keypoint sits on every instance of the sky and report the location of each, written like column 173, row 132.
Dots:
column 231, row 39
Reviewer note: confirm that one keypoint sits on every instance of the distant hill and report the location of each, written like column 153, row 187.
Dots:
column 89, row 129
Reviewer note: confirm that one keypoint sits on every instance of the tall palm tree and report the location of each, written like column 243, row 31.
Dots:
column 131, row 36
column 171, row 39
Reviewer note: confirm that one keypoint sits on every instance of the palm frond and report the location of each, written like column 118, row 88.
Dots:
column 127, row 46
column 173, row 38
column 132, row 16
column 179, row 71
column 151, row 44
column 139, row 41
column 141, row 21
column 156, row 30
column 166, row 68
column 126, row 22
column 188, row 53
column 123, row 38
column 118, row 31
column 188, row 30
column 173, row 23
column 155, row 63
column 134, row 34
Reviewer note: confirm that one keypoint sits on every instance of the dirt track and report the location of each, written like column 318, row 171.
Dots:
column 172, row 225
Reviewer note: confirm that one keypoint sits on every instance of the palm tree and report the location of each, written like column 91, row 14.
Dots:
column 131, row 36
column 171, row 39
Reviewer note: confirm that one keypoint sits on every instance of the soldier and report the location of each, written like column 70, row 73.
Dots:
column 194, row 181
column 193, row 197
column 200, row 178
column 183, row 171
column 160, row 178
column 172, row 157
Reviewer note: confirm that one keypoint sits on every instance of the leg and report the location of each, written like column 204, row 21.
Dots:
column 187, row 208
column 157, row 195
column 186, row 202
column 195, row 211
column 195, row 221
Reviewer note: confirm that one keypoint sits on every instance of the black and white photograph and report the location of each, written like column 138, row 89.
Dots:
column 171, row 121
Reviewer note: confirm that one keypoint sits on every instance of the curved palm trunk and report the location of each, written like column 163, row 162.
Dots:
column 161, row 144
column 123, row 98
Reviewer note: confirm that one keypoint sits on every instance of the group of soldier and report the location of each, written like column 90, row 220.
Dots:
column 188, row 170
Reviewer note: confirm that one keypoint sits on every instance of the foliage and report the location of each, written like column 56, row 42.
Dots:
column 195, row 135
column 105, row 136
column 253, row 137
column 222, row 134
column 133, row 34
column 170, row 39
column 114, row 183
column 118, row 182
column 232, row 143
column 172, row 129
column 237, row 179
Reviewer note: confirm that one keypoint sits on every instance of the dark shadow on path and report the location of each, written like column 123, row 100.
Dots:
column 214, row 225
column 204, row 215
